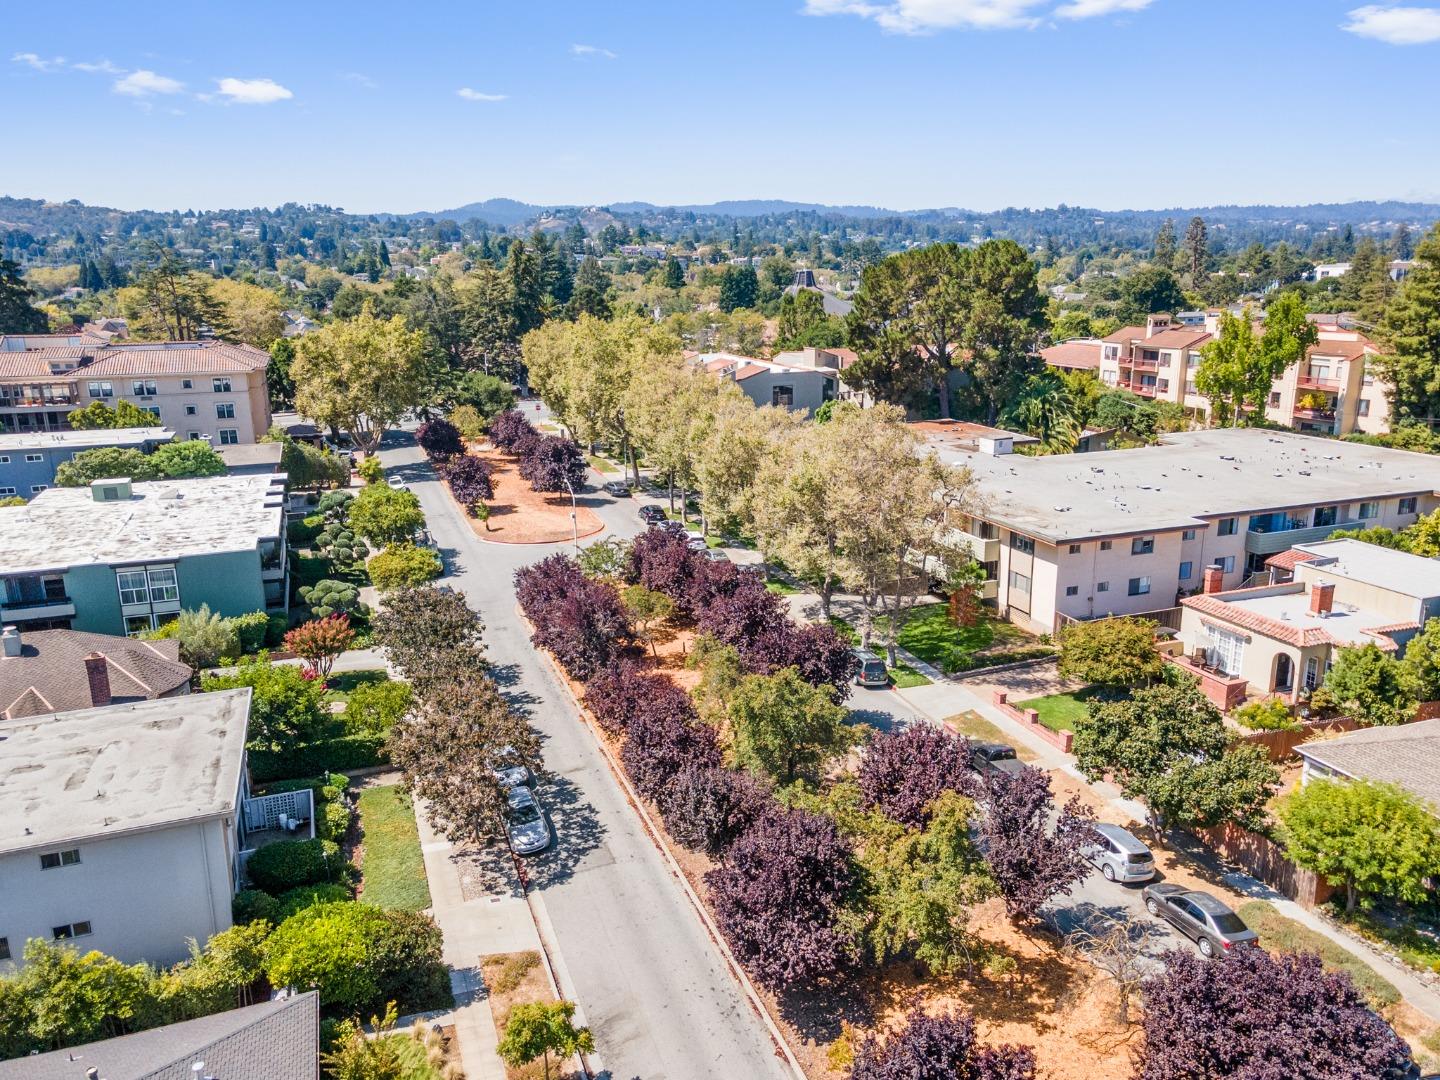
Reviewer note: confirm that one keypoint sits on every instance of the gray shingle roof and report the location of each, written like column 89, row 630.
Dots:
column 1408, row 755
column 275, row 1040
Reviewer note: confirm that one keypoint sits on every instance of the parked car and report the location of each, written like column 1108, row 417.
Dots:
column 714, row 555
column 1202, row 918
column 1119, row 855
column 525, row 824
column 652, row 514
column 992, row 758
column 869, row 669
column 618, row 488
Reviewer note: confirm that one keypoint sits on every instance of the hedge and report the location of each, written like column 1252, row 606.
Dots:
column 326, row 755
column 279, row 867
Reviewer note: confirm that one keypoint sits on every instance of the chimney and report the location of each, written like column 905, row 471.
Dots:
column 1322, row 598
column 1214, row 580
column 10, row 638
column 97, row 670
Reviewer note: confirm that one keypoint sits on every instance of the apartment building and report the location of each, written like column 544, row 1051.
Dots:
column 122, row 558
column 199, row 389
column 1075, row 537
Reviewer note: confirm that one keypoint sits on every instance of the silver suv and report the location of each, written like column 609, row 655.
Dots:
column 1119, row 855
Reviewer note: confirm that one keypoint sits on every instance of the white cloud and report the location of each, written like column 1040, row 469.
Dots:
column 925, row 16
column 592, row 50
column 143, row 83
column 475, row 95
column 253, row 91
column 37, row 62
column 100, row 67
column 1089, row 9
column 1395, row 25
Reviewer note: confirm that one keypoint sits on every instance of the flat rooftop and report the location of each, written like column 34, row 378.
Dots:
column 1370, row 564
column 83, row 440
column 166, row 519
column 74, row 776
column 1188, row 478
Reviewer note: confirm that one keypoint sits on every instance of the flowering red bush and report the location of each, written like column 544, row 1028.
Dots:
column 440, row 440
column 510, row 430
column 469, row 480
column 577, row 620
column 660, row 742
column 552, row 464
column 939, row 1048
column 778, row 897
column 903, row 772
column 706, row 808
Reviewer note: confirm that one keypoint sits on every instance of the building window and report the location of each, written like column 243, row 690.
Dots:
column 101, row 390
column 1142, row 545
column 1072, row 590
column 163, row 586
column 1074, row 549
column 225, row 410
column 137, row 624
column 1227, row 650
column 1326, row 515
column 1102, row 586
column 1139, row 586
column 51, row 860
column 133, row 587
column 1022, row 544
column 1187, row 571
column 229, row 436
column 187, row 384
column 1105, row 545
column 220, row 386
column 1369, row 510
column 1362, row 407
column 782, row 396
column 143, row 388
column 1226, row 564
column 1019, row 582
column 1407, row 506
column 189, row 410
column 1188, row 534
column 1227, row 527
column 71, row 930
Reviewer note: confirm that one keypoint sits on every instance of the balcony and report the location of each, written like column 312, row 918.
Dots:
column 1329, row 386
column 50, row 607
column 1272, row 542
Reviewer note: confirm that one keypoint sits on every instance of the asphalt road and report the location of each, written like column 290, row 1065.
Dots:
column 650, row 983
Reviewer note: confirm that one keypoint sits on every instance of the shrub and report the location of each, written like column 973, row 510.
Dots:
column 298, row 899
column 706, row 808
column 402, row 566
column 331, row 597
column 440, row 439
column 469, row 481
column 1269, row 714
column 511, row 429
column 360, row 957
column 903, row 772
column 278, row 867
column 252, row 904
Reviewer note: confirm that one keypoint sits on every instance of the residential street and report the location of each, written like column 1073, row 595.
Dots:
column 648, row 980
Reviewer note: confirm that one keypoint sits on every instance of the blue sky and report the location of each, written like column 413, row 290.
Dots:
column 897, row 103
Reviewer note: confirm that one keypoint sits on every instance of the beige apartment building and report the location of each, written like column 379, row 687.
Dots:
column 199, row 389
column 1083, row 536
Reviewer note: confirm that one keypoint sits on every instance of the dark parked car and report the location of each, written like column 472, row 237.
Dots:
column 618, row 488
column 1202, row 918
column 652, row 514
column 990, row 758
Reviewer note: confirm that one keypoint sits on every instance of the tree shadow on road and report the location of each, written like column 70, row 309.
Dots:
column 578, row 832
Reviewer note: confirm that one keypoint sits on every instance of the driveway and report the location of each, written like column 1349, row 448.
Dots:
column 648, row 979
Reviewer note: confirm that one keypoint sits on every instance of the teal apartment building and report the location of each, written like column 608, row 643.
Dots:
column 122, row 558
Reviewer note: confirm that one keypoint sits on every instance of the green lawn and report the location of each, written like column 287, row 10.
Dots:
column 392, row 870
column 342, row 684
column 1279, row 934
column 1058, row 712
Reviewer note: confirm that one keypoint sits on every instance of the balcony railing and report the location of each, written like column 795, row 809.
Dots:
column 1305, row 382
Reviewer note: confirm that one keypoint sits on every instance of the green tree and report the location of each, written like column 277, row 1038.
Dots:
column 783, row 726
column 98, row 415
column 190, row 458
column 537, row 1029
column 739, row 288
column 361, row 375
column 1411, row 327
column 1168, row 747
column 384, row 515
column 17, row 314
column 1374, row 839
column 1111, row 652
column 1371, row 685
column 106, row 463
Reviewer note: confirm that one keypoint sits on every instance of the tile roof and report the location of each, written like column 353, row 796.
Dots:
column 275, row 1040
column 49, row 674
column 1407, row 755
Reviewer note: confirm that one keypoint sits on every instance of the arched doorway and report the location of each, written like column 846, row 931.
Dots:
column 1284, row 674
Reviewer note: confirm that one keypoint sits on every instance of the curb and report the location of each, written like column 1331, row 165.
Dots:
column 657, row 837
